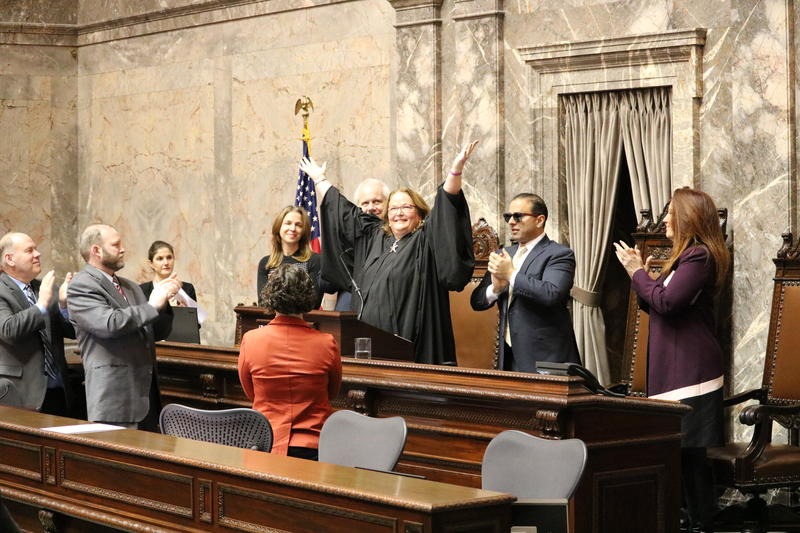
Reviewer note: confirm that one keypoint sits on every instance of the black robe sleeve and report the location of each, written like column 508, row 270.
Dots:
column 343, row 226
column 449, row 233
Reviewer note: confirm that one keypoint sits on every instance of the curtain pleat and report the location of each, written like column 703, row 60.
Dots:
column 647, row 137
column 592, row 156
column 597, row 126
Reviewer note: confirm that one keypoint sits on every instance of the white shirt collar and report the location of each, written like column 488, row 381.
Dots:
column 531, row 244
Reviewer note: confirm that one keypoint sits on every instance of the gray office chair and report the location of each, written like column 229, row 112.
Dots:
column 8, row 393
column 352, row 439
column 541, row 473
column 240, row 427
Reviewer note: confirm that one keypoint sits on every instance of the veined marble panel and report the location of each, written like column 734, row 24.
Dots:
column 760, row 116
column 37, row 169
column 672, row 59
column 26, row 205
column 189, row 136
column 148, row 170
column 40, row 11
column 418, row 116
column 473, row 105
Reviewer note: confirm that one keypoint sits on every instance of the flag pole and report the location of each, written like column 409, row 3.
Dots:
column 306, row 196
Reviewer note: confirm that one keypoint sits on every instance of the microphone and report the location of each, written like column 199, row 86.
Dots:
column 352, row 281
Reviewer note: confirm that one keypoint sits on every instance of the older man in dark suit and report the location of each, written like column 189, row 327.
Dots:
column 33, row 324
column 117, row 328
column 530, row 281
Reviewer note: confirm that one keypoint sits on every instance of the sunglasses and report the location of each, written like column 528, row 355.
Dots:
column 517, row 216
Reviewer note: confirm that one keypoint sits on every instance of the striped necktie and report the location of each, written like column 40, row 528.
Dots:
column 115, row 281
column 50, row 369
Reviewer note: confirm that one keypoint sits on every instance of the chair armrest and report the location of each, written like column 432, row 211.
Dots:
column 753, row 414
column 752, row 394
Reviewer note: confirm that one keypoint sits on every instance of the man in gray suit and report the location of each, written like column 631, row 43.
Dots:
column 33, row 324
column 531, row 282
column 117, row 327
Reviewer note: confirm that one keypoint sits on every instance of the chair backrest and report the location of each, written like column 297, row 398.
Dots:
column 475, row 332
column 240, row 427
column 530, row 467
column 780, row 382
column 9, row 394
column 352, row 439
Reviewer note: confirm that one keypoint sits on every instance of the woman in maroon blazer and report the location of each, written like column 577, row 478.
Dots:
column 685, row 360
column 290, row 370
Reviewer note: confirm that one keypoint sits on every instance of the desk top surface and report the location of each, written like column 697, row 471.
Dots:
column 396, row 490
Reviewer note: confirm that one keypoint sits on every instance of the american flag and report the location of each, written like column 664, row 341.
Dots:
column 306, row 197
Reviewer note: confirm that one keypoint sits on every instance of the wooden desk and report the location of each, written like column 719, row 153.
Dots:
column 138, row 481
column 632, row 477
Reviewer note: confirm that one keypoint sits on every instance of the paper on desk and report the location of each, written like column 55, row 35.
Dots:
column 82, row 428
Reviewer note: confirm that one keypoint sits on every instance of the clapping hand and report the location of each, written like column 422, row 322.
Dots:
column 631, row 258
column 164, row 290
column 501, row 269
column 62, row 291
column 46, row 289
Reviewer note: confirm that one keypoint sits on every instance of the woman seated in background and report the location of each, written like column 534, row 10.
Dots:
column 161, row 256
column 290, row 370
column 291, row 244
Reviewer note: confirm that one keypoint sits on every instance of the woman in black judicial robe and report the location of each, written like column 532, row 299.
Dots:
column 405, row 265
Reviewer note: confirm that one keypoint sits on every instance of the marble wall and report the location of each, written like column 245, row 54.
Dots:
column 173, row 119
column 187, row 134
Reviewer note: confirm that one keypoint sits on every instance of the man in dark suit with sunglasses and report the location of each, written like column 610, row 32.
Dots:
column 530, row 281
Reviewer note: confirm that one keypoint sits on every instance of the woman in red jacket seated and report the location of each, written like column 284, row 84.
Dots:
column 290, row 370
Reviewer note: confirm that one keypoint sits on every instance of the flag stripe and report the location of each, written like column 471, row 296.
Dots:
column 306, row 197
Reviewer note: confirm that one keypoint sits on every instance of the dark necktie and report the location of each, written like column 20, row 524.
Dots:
column 49, row 362
column 115, row 281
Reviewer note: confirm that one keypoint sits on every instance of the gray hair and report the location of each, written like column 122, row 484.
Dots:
column 92, row 235
column 7, row 242
column 369, row 181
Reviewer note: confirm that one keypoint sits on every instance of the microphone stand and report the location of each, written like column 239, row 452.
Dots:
column 357, row 290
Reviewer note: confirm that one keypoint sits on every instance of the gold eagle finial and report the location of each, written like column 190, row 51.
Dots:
column 305, row 105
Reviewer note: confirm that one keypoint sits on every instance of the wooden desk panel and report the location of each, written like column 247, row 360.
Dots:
column 137, row 481
column 452, row 414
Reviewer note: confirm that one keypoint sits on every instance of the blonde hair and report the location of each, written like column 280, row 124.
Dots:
column 419, row 203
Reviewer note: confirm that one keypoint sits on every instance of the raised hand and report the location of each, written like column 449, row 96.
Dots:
column 462, row 157
column 315, row 172
column 452, row 184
